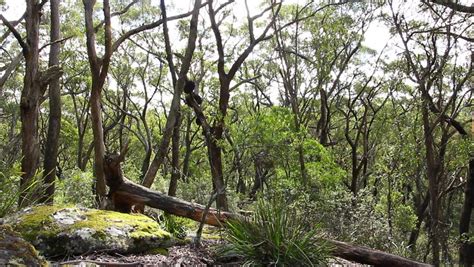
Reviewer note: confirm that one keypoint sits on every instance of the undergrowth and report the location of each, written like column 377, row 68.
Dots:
column 275, row 235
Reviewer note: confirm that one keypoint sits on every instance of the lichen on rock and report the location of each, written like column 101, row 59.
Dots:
column 59, row 231
column 15, row 251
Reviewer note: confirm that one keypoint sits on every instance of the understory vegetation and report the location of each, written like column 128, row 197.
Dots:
column 317, row 120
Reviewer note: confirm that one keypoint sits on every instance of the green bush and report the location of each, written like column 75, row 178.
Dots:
column 75, row 188
column 174, row 225
column 275, row 235
column 10, row 189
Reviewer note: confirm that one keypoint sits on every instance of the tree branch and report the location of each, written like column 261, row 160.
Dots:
column 15, row 33
column 149, row 26
column 453, row 5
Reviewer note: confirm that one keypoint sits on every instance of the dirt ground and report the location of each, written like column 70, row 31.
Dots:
column 186, row 255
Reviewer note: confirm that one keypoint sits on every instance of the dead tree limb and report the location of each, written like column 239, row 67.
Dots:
column 370, row 256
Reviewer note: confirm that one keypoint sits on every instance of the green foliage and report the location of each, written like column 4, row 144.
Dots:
column 176, row 226
column 321, row 165
column 275, row 236
column 9, row 190
column 75, row 188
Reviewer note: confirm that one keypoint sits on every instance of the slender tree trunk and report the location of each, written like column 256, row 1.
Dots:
column 188, row 151
column 215, row 159
column 322, row 127
column 466, row 251
column 355, row 171
column 54, row 123
column 146, row 160
column 99, row 69
column 420, row 214
column 29, row 104
column 99, row 145
column 175, row 171
column 175, row 102
column 432, row 173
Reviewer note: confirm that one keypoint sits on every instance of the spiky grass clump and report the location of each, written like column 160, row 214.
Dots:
column 275, row 235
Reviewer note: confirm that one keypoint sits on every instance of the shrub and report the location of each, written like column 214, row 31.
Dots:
column 76, row 188
column 275, row 235
column 10, row 190
column 174, row 225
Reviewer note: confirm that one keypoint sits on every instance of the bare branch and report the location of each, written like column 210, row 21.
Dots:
column 15, row 33
column 149, row 26
column 13, row 23
column 453, row 5
column 116, row 13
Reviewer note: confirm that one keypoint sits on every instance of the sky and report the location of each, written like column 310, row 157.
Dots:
column 376, row 37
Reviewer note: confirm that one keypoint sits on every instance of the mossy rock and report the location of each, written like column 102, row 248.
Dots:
column 15, row 251
column 59, row 231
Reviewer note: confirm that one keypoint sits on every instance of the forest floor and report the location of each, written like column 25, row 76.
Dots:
column 187, row 255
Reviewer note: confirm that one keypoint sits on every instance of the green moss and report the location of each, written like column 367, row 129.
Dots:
column 16, row 250
column 161, row 251
column 38, row 221
column 213, row 233
column 143, row 226
column 40, row 227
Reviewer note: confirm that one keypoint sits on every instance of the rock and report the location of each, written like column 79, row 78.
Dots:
column 15, row 251
column 59, row 231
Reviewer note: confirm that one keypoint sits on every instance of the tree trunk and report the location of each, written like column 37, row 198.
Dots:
column 175, row 171
column 188, row 150
column 99, row 145
column 215, row 160
column 99, row 69
column 466, row 251
column 420, row 214
column 29, row 104
column 175, row 102
column 432, row 167
column 54, row 123
column 323, row 122
column 370, row 256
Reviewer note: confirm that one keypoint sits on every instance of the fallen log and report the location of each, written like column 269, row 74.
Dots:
column 138, row 194
column 370, row 256
column 125, row 193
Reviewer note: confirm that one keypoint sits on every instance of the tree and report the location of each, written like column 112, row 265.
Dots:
column 439, row 110
column 99, row 66
column 216, row 133
column 54, row 122
column 34, row 85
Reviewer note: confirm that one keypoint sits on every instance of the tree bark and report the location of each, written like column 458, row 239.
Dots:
column 432, row 171
column 175, row 171
column 29, row 103
column 54, row 123
column 370, row 256
column 466, row 251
